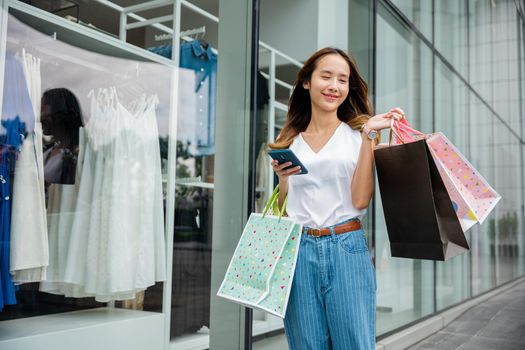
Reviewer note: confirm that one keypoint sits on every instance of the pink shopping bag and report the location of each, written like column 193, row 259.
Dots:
column 472, row 196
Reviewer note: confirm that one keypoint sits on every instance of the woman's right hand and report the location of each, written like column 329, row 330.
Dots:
column 283, row 173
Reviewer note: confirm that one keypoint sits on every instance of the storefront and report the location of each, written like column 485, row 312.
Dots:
column 139, row 151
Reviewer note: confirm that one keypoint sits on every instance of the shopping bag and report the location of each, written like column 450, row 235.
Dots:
column 420, row 220
column 261, row 270
column 472, row 197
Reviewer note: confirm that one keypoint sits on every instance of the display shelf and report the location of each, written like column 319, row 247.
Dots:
column 137, row 327
column 81, row 36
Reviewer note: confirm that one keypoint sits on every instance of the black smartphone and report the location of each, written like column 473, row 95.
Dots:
column 286, row 155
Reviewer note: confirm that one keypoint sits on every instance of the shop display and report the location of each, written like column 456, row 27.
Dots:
column 116, row 235
column 82, row 193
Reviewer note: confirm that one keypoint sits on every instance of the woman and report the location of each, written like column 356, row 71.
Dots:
column 329, row 128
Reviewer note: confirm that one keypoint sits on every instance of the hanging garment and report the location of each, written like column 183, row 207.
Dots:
column 17, row 100
column 197, row 107
column 29, row 244
column 162, row 50
column 12, row 132
column 115, row 247
column 17, row 124
column 61, row 209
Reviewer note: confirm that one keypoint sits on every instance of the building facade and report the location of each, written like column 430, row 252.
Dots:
column 133, row 236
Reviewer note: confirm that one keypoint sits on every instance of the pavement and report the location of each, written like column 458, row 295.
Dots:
column 497, row 323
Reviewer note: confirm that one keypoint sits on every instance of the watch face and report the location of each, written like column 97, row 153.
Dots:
column 372, row 134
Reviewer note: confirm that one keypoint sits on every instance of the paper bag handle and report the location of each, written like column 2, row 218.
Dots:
column 272, row 201
column 404, row 132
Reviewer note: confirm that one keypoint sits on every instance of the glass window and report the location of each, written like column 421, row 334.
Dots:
column 451, row 32
column 404, row 78
column 86, row 135
column 521, row 60
column 452, row 118
column 108, row 161
column 452, row 106
column 404, row 72
column 194, row 192
column 481, row 49
column 507, row 223
column 419, row 13
column 282, row 46
column 506, row 65
column 482, row 156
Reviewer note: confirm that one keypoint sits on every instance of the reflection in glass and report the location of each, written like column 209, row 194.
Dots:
column 404, row 74
column 506, row 224
column 419, row 12
column 191, row 287
column 482, row 157
column 404, row 71
column 450, row 20
column 451, row 97
column 61, row 122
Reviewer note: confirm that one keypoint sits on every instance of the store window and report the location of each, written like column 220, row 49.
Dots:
column 279, row 60
column 481, row 154
column 107, row 124
column 507, row 223
column 160, row 58
column 450, row 32
column 452, row 118
column 84, row 178
column 419, row 13
column 404, row 78
column 481, row 49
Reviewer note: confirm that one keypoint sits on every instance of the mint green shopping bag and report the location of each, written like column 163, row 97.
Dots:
column 261, row 270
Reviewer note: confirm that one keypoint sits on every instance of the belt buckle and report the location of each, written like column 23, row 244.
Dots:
column 316, row 232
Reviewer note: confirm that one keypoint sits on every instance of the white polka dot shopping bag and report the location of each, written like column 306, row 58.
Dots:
column 262, row 267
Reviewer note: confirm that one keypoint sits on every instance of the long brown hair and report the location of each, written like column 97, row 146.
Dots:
column 355, row 109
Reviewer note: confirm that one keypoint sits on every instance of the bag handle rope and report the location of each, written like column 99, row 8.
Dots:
column 272, row 201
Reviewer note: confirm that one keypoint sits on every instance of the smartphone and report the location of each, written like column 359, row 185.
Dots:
column 286, row 155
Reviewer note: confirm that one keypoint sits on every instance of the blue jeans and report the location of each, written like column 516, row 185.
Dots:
column 332, row 301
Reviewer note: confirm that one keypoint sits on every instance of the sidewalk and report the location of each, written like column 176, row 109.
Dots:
column 495, row 324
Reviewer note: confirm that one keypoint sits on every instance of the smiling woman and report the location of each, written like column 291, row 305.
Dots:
column 353, row 108
column 328, row 108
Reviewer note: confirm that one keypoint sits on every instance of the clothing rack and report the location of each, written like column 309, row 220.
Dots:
column 184, row 35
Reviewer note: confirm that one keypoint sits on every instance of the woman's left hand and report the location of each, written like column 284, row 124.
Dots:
column 382, row 121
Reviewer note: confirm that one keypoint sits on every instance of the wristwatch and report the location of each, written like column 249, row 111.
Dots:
column 370, row 133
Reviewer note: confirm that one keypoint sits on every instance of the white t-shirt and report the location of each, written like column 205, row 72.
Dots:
column 323, row 196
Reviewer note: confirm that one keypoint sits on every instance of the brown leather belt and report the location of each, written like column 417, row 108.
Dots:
column 346, row 227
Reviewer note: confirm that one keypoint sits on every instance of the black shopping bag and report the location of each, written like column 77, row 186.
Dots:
column 420, row 219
